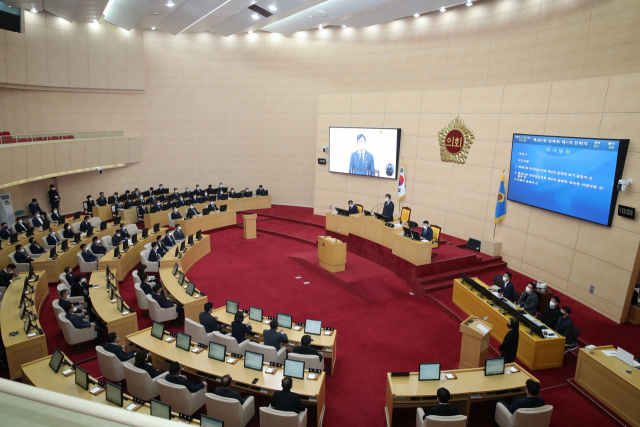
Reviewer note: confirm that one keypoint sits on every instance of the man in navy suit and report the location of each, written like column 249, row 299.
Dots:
column 275, row 337
column 232, row 193
column 530, row 401
column 564, row 325
column 34, row 247
column 442, row 409
column 54, row 197
column 37, row 221
column 97, row 248
column 5, row 233
column 20, row 227
column 114, row 199
column 208, row 320
column 168, row 240
column 119, row 206
column 21, row 256
column 198, row 190
column 128, row 204
column 163, row 302
column 353, row 209
column 205, row 197
column 142, row 210
column 156, row 208
column 508, row 291
column 35, row 208
column 174, row 377
column 78, row 323
column 361, row 162
column 260, row 191
column 161, row 248
column 175, row 214
column 154, row 254
column 388, row 208
column 65, row 304
column 219, row 195
column 116, row 239
column 192, row 210
column 178, row 234
column 102, row 201
column 176, row 193
column 285, row 399
column 90, row 202
column 55, row 216
column 152, row 198
column 212, row 206
column 52, row 239
column 144, row 284
column 186, row 193
column 86, row 255
column 120, row 351
column 178, row 203
column 123, row 232
column 225, row 390
column 85, row 225
column 427, row 231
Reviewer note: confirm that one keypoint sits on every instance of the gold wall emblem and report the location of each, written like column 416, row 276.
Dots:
column 455, row 141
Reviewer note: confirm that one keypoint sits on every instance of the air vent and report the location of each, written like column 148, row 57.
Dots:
column 321, row 12
column 260, row 11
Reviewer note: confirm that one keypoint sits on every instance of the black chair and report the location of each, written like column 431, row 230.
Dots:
column 572, row 341
column 516, row 296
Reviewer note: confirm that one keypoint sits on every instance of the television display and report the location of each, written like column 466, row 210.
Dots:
column 364, row 151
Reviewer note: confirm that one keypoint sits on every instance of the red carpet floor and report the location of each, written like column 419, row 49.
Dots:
column 293, row 212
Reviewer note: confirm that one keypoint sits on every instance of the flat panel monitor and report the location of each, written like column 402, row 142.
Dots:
column 116, row 252
column 199, row 235
column 415, row 234
column 116, row 220
column 206, row 421
column 284, row 320
column 223, row 208
column 56, row 360
column 294, row 369
column 103, row 225
column 156, row 228
column 82, row 378
column 191, row 287
column 182, row 246
column 157, row 330
column 22, row 310
column 181, row 278
column 114, row 394
column 30, row 230
column 145, row 233
column 160, row 409
column 406, row 231
column 313, row 327
column 255, row 314
column 363, row 151
column 65, row 246
column 89, row 232
column 134, row 238
column 429, row 372
column 190, row 240
column 217, row 351
column 232, row 307
column 577, row 177
column 27, row 324
column 120, row 303
column 494, row 366
column 76, row 215
column 253, row 360
column 176, row 267
column 184, row 341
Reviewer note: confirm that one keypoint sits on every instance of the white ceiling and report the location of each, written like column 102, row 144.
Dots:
column 227, row 17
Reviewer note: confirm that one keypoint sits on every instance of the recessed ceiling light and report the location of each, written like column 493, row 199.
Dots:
column 255, row 16
column 95, row 22
column 321, row 12
column 273, row 8
column 416, row 15
column 250, row 31
column 34, row 10
column 443, row 9
column 153, row 28
column 171, row 4
column 469, row 3
column 344, row 26
column 320, row 27
column 156, row 13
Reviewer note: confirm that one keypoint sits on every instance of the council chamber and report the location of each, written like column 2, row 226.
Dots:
column 199, row 200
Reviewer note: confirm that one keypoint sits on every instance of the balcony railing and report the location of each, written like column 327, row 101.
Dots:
column 14, row 139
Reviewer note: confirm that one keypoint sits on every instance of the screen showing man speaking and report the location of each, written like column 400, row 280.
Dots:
column 364, row 151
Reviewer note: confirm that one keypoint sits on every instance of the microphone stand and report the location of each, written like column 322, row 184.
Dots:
column 377, row 206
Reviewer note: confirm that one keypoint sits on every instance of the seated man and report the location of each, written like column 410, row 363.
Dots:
column 52, row 239
column 551, row 313
column 64, row 304
column 246, row 190
column 187, row 192
column 55, row 216
column 427, row 231
column 152, row 198
column 37, row 220
column 168, row 240
column 79, row 323
column 163, row 302
column 34, row 247
column 113, row 199
column 7, row 275
column 120, row 351
column 208, row 320
column 86, row 255
column 144, row 284
column 564, row 325
column 123, row 232
column 305, row 347
column 85, row 225
column 198, row 191
column 529, row 300
column 442, row 409
column 192, row 210
column 34, row 207
column 530, row 401
column 232, row 193
column 156, row 208
column 219, row 195
column 161, row 247
column 68, row 233
column 174, row 377
column 21, row 256
column 128, row 204
column 119, row 206
column 117, row 238
column 142, row 210
column 176, row 193
column 353, row 209
column 225, row 390
column 175, row 214
column 260, row 191
column 508, row 291
column 20, row 227
column 178, row 203
column 178, row 234
column 5, row 233
column 68, row 275
column 212, row 206
column 154, row 254
column 273, row 336
column 142, row 359
column 90, row 202
column 79, row 286
column 285, row 399
column 102, row 201
column 96, row 246
column 205, row 197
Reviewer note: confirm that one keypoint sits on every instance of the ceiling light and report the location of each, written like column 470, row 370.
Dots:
column 153, row 28
column 273, row 8
column 95, row 22
column 321, row 12
column 34, row 10
column 170, row 4
column 255, row 16
column 107, row 7
column 156, row 13
column 469, row 3
column 443, row 9
column 191, row 25
column 416, row 15
column 250, row 31
column 320, row 27
column 344, row 26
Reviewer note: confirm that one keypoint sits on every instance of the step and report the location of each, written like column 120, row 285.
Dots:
column 449, row 275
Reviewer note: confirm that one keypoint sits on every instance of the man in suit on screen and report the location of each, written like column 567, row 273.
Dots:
column 361, row 162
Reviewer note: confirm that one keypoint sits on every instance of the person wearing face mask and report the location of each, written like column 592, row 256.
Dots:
column 34, row 208
column 37, row 220
column 85, row 225
column 117, row 238
column 387, row 210
column 161, row 248
column 120, row 351
column 198, row 190
column 529, row 300
column 220, row 193
column 212, row 206
column 508, row 291
column 114, row 199
column 96, row 247
column 78, row 323
column 551, row 313
column 144, row 282
column 168, row 240
column 128, row 204
column 86, row 255
column 187, row 192
column 163, row 302
column 102, row 201
column 178, row 234
column 68, row 232
column 156, row 208
column 205, row 197
column 136, row 192
column 5, row 233
column 20, row 227
column 80, row 287
column 232, row 193
column 152, row 197
column 7, row 275
column 142, row 210
column 634, row 296
column 34, row 247
column 353, row 209
column 564, row 325
column 90, row 202
column 509, row 346
column 175, row 214
column 119, row 205
column 20, row 255
column 192, row 210
column 55, row 216
column 361, row 162
column 154, row 253
column 160, row 189
column 178, row 202
column 123, row 232
column 52, row 239
column 54, row 198
column 176, row 193
column 65, row 304
column 427, row 231
column 260, row 191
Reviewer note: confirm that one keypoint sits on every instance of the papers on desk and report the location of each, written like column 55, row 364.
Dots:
column 513, row 370
column 169, row 339
column 67, row 372
column 496, row 294
column 609, row 352
column 482, row 328
column 32, row 335
column 270, row 370
column 195, row 350
column 312, row 376
column 196, row 296
column 297, row 328
column 125, row 312
column 327, row 332
column 131, row 407
column 232, row 360
column 449, row 376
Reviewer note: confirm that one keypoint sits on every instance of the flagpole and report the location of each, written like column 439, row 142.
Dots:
column 496, row 224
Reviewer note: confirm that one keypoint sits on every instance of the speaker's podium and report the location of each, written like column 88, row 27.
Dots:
column 332, row 254
column 250, row 226
column 475, row 342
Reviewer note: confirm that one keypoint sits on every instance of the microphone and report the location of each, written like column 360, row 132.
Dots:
column 378, row 205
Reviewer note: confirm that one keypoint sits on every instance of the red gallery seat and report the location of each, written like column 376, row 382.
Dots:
column 39, row 138
column 71, row 137
column 55, row 138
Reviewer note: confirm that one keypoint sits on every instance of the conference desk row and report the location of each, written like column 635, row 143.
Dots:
column 122, row 323
column 536, row 352
column 470, row 385
column 193, row 305
column 39, row 374
column 312, row 392
column 243, row 204
column 22, row 348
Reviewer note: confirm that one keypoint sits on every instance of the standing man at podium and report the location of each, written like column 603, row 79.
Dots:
column 361, row 162
column 427, row 232
column 388, row 208
column 509, row 347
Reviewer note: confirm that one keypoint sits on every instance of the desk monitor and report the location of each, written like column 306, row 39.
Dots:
column 184, row 341
column 82, row 378
column 176, row 254
column 22, row 309
column 157, row 330
column 120, row 303
column 429, row 372
column 182, row 246
column 181, row 278
column 76, row 215
column 342, row 212
column 27, row 324
column 255, row 314
column 134, row 238
column 160, row 410
column 265, row 193
column 114, row 394
column 416, row 235
column 125, row 245
column 56, row 360
column 13, row 239
column 406, row 231
column 284, row 320
column 145, row 233
column 294, row 369
column 112, row 293
column 89, row 232
column 52, row 253
column 494, row 366
column 248, row 194
column 199, row 235
column 206, row 421
column 189, row 215
column 205, row 211
column 223, row 208
column 116, row 220
column 191, row 287
column 232, row 307
column 116, row 252
column 156, row 228
column 65, row 246
column 30, row 231
column 217, row 351
column 313, row 327
column 253, row 360
column 176, row 267
column 190, row 240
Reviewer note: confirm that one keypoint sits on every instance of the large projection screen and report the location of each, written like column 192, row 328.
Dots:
column 364, row 151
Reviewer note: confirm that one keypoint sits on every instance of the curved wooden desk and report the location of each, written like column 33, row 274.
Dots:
column 20, row 348
column 193, row 305
column 207, row 222
column 193, row 254
column 107, row 311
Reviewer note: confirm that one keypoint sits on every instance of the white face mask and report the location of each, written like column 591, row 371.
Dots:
column 74, row 308
column 37, row 216
column 529, row 290
column 53, row 188
column 179, row 228
column 387, row 200
column 91, row 199
column 55, row 211
column 505, row 278
column 552, row 304
column 53, row 234
column 19, row 222
column 198, row 188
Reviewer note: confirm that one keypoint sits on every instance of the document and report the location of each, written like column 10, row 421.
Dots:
column 482, row 328
column 231, row 360
column 195, row 350
column 514, row 370
column 609, row 352
column 67, row 372
column 95, row 389
column 449, row 376
column 131, row 407
column 312, row 376
column 269, row 370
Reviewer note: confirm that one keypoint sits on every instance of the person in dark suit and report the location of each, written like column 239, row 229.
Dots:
column 163, row 302
column 260, row 191
column 551, row 313
column 529, row 300
column 20, row 227
column 34, row 207
column 198, row 191
column 97, row 248
column 127, row 195
column 175, row 214
column 152, row 197
column 205, row 197
column 68, row 275
column 86, row 255
column 238, row 329
column 225, row 390
column 102, row 201
column 508, row 291
column 117, row 238
column 90, row 202
column 634, row 297
column 168, row 240
column 142, row 358
column 55, row 216
column 78, row 323
column 120, row 351
column 176, row 193
column 20, row 255
column 273, row 336
column 192, row 210
column 79, row 286
column 54, row 197
column 118, row 205
column 361, row 161
column 37, row 220
column 208, row 320
column 34, row 247
column 136, row 192
column 123, row 232
column 178, row 234
column 427, row 231
column 212, row 206
column 219, row 194
column 187, row 192
column 154, row 253
column 179, row 203
column 85, row 225
column 64, row 303
column 142, row 210
column 442, row 409
column 509, row 346
column 387, row 210
column 285, row 399
column 52, row 239
column 144, row 284
column 156, row 208
column 564, row 325
column 68, row 233
column 532, row 400
column 5, row 233
column 174, row 377
column 128, row 204
column 353, row 209
column 305, row 347
column 232, row 193
column 7, row 275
